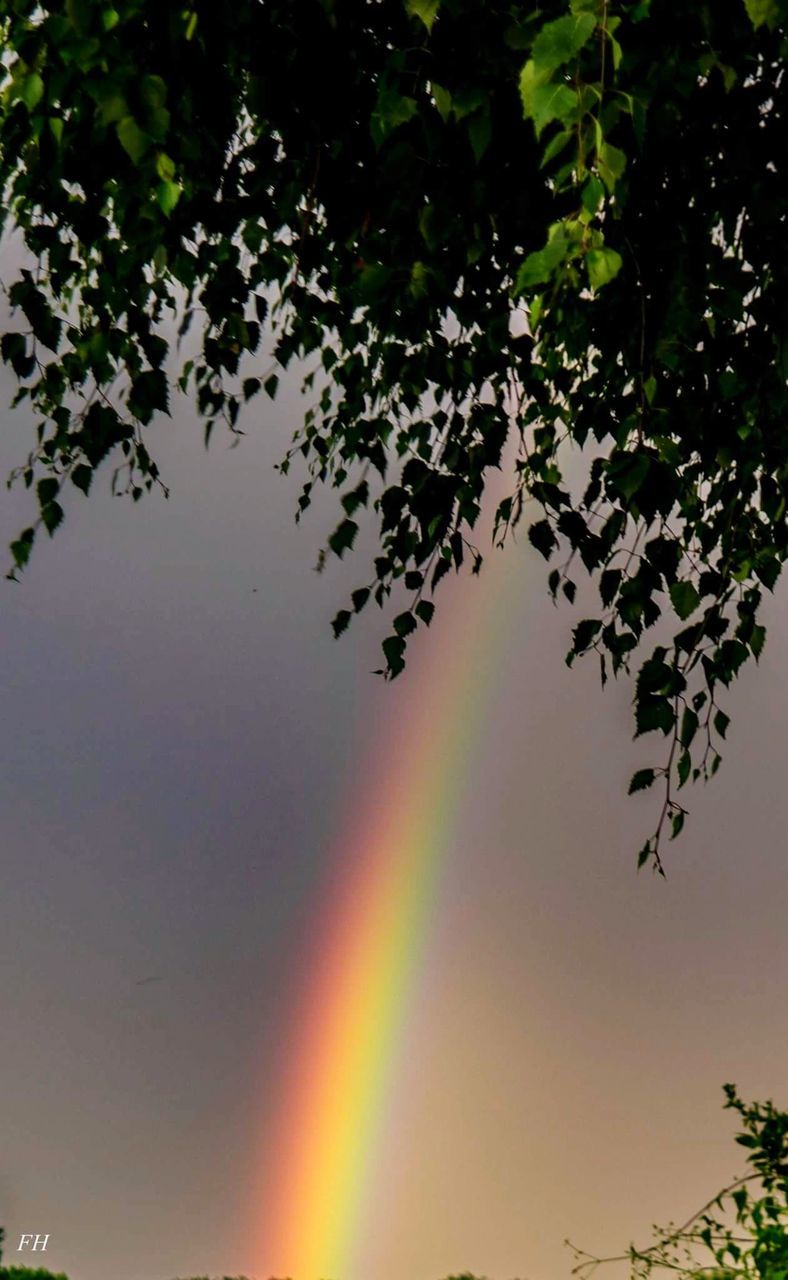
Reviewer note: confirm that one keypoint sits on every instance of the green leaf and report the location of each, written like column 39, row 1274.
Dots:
column 684, row 598
column 149, row 394
column 158, row 122
column 480, row 133
column 47, row 491
column 167, row 195
column 442, row 100
column 683, row 767
column 541, row 536
column 343, row 537
column 540, row 266
column 535, row 311
column 609, row 582
column 356, row 498
column 52, row 516
column 165, row 166
column 153, row 92
column 31, row 90
column 592, row 195
column 641, row 780
column 425, row 610
column 340, row 622
column 392, row 110
column 652, row 714
column 627, row 471
column 655, row 676
column 79, row 12
column 102, row 430
column 583, row 634
column 82, row 477
column 689, row 727
column 15, row 353
column 373, row 280
column 556, row 145
column 394, row 650
column 419, row 279
column 112, row 104
column 762, row 11
column 611, row 162
column 543, row 100
column 21, row 548
column 757, row 640
column 466, row 100
column 603, row 265
column 425, row 10
column 132, row 138
column 404, row 624
column 558, row 42
column 721, row 722
column 553, row 102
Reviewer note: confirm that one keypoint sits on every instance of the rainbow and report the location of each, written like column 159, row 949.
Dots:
column 372, row 926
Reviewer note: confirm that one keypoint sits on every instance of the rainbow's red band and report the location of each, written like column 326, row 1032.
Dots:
column 371, row 935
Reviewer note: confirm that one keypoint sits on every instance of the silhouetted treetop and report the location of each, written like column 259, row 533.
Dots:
column 559, row 225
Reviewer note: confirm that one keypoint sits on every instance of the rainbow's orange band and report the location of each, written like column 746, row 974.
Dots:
column 373, row 923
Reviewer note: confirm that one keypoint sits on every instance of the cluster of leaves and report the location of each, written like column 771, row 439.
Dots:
column 742, row 1233
column 29, row 1273
column 23, row 1273
column 472, row 220
column 687, row 508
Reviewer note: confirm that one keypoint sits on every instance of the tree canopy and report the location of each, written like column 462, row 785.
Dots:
column 560, row 225
column 24, row 1273
column 741, row 1233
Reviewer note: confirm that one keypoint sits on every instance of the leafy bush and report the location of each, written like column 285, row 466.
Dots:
column 29, row 1273
column 739, row 1234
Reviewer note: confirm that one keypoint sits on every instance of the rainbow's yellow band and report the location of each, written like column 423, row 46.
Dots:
column 373, row 925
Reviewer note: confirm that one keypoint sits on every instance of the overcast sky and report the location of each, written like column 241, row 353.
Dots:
column 182, row 740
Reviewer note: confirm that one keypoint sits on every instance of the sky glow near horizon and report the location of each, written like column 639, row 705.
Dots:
column 183, row 744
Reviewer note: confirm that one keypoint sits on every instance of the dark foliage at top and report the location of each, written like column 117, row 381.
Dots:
column 562, row 224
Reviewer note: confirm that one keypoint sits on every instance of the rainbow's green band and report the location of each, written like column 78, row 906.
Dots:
column 372, row 930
